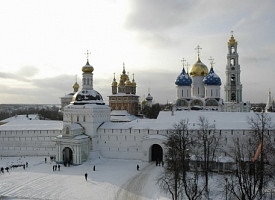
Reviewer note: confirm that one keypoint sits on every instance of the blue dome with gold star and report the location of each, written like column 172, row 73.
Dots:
column 183, row 79
column 212, row 78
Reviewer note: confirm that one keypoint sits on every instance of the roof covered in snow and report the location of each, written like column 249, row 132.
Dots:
column 32, row 125
column 21, row 117
column 121, row 116
column 167, row 119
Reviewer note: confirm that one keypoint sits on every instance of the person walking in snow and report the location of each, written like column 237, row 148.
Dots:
column 137, row 167
column 94, row 168
column 58, row 167
column 86, row 176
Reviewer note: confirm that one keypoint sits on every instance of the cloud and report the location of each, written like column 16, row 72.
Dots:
column 27, row 71
column 13, row 76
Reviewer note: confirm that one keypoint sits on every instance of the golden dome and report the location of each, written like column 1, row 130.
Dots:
column 198, row 69
column 76, row 86
column 128, row 82
column 232, row 40
column 87, row 68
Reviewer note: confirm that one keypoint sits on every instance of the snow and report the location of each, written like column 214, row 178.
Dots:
column 32, row 125
column 166, row 120
column 21, row 117
column 112, row 179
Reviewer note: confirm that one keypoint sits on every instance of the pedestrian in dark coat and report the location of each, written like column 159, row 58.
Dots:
column 58, row 167
column 86, row 176
column 137, row 167
column 94, row 168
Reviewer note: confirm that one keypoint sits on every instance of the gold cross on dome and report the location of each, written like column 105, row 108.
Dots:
column 87, row 54
column 198, row 48
column 232, row 32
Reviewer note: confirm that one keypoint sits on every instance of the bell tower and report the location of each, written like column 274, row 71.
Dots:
column 233, row 86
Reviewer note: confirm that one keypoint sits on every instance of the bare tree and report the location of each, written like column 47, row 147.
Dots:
column 261, row 124
column 252, row 176
column 175, row 179
column 208, row 142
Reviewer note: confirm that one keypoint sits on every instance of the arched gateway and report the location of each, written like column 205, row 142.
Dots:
column 156, row 153
column 67, row 156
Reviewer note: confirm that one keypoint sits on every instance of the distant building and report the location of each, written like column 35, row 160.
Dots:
column 66, row 100
column 124, row 94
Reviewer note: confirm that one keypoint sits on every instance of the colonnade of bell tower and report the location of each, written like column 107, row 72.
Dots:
column 233, row 86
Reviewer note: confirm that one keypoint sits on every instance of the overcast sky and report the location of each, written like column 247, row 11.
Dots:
column 43, row 45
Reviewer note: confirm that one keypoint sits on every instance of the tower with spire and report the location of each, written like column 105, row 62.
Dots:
column 268, row 107
column 233, row 86
column 124, row 94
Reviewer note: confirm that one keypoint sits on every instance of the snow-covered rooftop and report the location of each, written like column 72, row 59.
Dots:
column 121, row 116
column 32, row 125
column 166, row 120
column 21, row 117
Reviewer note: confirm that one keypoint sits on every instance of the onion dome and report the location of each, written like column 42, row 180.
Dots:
column 212, row 78
column 232, row 40
column 114, row 83
column 76, row 86
column 128, row 82
column 198, row 69
column 87, row 68
column 87, row 97
column 124, row 76
column 149, row 97
column 183, row 79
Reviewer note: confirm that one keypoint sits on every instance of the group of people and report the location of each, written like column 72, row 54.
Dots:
column 55, row 167
column 2, row 169
column 159, row 162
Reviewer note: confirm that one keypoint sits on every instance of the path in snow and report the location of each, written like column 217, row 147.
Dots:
column 142, row 186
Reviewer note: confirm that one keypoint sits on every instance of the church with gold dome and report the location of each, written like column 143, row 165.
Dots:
column 124, row 94
column 199, row 88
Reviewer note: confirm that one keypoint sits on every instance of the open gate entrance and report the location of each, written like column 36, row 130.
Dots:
column 67, row 156
column 156, row 153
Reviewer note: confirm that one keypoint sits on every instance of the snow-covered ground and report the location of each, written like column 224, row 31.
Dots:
column 112, row 179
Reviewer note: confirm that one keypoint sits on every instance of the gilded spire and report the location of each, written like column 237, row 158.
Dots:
column 232, row 40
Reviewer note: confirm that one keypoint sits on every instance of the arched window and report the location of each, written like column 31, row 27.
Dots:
column 233, row 49
column 233, row 96
column 67, row 131
column 232, row 62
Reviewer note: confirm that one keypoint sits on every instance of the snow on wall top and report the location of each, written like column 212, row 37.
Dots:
column 21, row 117
column 32, row 125
column 166, row 120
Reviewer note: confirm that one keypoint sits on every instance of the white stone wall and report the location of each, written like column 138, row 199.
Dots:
column 28, row 142
column 131, row 143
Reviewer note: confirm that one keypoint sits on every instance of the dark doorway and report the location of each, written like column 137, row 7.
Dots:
column 156, row 153
column 67, row 156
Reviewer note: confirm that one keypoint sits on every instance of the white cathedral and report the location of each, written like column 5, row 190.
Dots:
column 87, row 130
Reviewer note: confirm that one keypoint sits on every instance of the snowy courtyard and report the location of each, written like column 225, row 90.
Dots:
column 112, row 179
